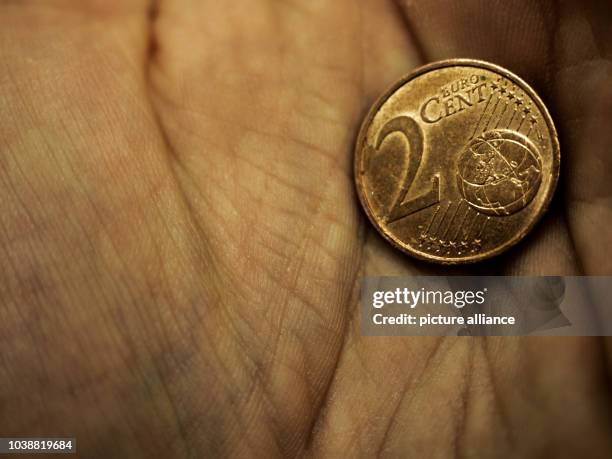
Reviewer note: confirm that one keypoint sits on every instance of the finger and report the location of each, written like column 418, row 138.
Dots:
column 73, row 92
column 585, row 99
column 84, row 231
column 516, row 35
column 74, row 101
column 84, row 25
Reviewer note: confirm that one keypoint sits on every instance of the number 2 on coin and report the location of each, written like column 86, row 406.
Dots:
column 411, row 131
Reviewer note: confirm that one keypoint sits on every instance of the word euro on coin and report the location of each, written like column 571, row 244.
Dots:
column 457, row 161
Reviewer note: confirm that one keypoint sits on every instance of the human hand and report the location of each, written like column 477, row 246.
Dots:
column 182, row 246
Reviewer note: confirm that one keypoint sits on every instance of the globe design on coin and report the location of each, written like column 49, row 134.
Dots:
column 499, row 172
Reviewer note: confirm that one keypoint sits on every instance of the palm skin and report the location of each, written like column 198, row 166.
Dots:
column 182, row 246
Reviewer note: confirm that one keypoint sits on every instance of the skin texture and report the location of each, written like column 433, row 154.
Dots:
column 181, row 244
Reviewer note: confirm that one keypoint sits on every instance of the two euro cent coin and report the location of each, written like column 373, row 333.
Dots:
column 457, row 161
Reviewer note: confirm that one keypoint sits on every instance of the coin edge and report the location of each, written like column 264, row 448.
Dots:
column 477, row 63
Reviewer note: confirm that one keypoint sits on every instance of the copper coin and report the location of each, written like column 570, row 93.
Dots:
column 457, row 161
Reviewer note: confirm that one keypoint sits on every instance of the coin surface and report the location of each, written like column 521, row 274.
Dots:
column 457, row 161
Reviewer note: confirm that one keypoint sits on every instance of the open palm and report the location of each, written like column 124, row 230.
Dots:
column 181, row 245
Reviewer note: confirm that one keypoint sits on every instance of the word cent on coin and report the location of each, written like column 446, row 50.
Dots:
column 457, row 161
column 454, row 99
